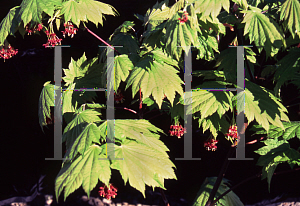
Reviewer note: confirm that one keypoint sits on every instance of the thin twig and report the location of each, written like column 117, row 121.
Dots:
column 140, row 105
column 249, row 70
column 219, row 179
column 270, row 9
column 95, row 35
column 164, row 197
column 155, row 116
column 248, row 179
column 131, row 110
column 153, row 110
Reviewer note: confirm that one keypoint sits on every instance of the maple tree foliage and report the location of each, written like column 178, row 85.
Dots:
column 150, row 66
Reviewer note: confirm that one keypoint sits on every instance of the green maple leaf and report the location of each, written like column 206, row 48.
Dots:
column 180, row 36
column 69, row 105
column 9, row 24
column 289, row 12
column 227, row 61
column 207, row 22
column 152, row 38
column 291, row 130
column 129, row 42
column 177, row 110
column 263, row 31
column 211, row 107
column 156, row 15
column 124, row 28
column 81, row 74
column 76, row 70
column 142, row 165
column 46, row 101
column 208, row 102
column 289, row 67
column 214, row 123
column 80, row 120
column 90, row 134
column 96, row 9
column 211, row 7
column 176, row 7
column 123, row 65
column 261, row 105
column 208, row 44
column 203, row 194
column 228, row 18
column 31, row 10
column 85, row 10
column 255, row 2
column 210, row 74
column 145, row 133
column 154, row 75
column 85, row 171
column 274, row 153
column 74, row 12
column 242, row 3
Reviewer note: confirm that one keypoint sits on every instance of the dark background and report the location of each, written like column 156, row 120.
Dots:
column 24, row 147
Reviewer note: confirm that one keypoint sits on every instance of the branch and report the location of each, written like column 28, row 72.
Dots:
column 248, row 68
column 155, row 116
column 270, row 9
column 140, row 104
column 240, row 40
column 164, row 197
column 95, row 35
column 219, row 179
column 153, row 110
column 131, row 110
column 248, row 179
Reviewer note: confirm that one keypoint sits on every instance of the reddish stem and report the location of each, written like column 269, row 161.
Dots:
column 141, row 105
column 95, row 35
column 164, row 197
column 127, row 109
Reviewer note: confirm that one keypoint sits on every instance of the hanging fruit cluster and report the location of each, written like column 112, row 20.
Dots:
column 69, row 29
column 7, row 52
column 53, row 39
column 119, row 98
column 177, row 130
column 108, row 192
column 232, row 135
column 38, row 27
column 183, row 18
column 210, row 144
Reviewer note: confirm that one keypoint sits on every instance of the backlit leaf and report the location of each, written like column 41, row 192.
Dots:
column 289, row 12
column 263, row 31
column 84, row 171
column 155, row 77
column 9, row 24
column 142, row 165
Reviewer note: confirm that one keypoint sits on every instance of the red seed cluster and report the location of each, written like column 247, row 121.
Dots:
column 233, row 134
column 108, row 192
column 183, row 18
column 53, row 40
column 38, row 27
column 177, row 130
column 211, row 144
column 119, row 98
column 7, row 53
column 69, row 29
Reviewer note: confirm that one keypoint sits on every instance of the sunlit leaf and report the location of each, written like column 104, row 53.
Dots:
column 84, row 171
